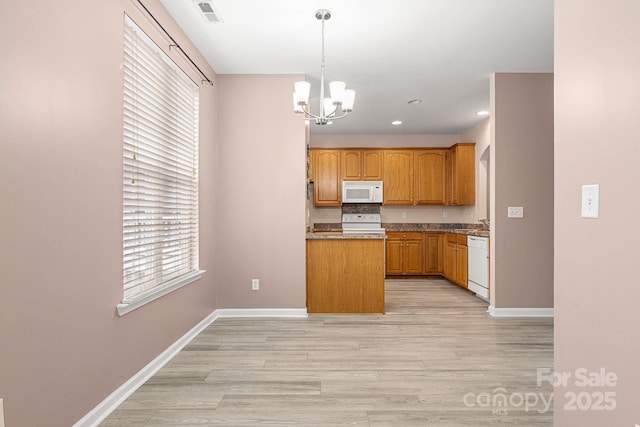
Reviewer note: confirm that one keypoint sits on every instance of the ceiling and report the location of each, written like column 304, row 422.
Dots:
column 440, row 51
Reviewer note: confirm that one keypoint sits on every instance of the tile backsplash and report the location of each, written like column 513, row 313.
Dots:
column 363, row 208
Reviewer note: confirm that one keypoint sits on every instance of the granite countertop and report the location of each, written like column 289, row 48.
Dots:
column 478, row 233
column 335, row 230
column 340, row 235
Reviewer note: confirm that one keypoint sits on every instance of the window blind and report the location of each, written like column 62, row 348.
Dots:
column 160, row 186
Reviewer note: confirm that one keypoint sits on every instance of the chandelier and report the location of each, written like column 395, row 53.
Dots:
column 340, row 99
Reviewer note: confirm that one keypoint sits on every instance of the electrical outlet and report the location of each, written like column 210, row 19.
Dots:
column 444, row 214
column 405, row 215
column 590, row 201
column 255, row 284
column 515, row 212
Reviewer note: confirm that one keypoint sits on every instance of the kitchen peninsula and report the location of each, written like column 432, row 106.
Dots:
column 345, row 272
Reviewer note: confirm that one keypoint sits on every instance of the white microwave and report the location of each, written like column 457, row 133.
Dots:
column 361, row 191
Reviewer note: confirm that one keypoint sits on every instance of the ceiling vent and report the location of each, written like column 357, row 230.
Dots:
column 206, row 7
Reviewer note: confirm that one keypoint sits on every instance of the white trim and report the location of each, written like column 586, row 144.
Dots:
column 158, row 291
column 115, row 399
column 262, row 312
column 108, row 405
column 520, row 312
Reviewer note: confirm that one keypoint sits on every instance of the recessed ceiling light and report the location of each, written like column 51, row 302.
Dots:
column 414, row 101
column 482, row 113
column 396, row 122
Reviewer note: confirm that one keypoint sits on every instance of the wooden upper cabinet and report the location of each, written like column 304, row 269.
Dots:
column 429, row 171
column 398, row 177
column 411, row 176
column 362, row 165
column 327, row 187
column 351, row 165
column 461, row 174
column 372, row 165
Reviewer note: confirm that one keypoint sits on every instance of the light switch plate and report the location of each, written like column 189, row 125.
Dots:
column 515, row 212
column 590, row 201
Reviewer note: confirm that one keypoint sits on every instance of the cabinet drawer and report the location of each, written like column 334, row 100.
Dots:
column 461, row 239
column 404, row 235
column 451, row 238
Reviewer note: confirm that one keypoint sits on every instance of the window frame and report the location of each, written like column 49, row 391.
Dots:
column 160, row 173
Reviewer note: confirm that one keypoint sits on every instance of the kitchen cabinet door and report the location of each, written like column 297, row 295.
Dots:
column 462, row 266
column 461, row 174
column 405, row 255
column 362, row 165
column 456, row 262
column 351, row 165
column 450, row 260
column 413, row 257
column 327, row 188
column 372, row 165
column 398, row 177
column 433, row 253
column 394, row 257
column 429, row 173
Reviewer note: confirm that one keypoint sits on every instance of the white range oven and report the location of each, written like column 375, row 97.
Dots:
column 478, row 258
column 354, row 223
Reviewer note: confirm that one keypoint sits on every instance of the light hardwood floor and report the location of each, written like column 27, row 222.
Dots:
column 436, row 358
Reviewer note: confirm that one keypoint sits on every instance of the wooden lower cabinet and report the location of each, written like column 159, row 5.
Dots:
column 450, row 259
column 433, row 258
column 414, row 253
column 345, row 275
column 405, row 253
column 455, row 259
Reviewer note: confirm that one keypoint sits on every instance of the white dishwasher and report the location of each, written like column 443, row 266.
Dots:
column 478, row 250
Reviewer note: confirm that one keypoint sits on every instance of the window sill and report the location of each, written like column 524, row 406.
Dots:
column 159, row 291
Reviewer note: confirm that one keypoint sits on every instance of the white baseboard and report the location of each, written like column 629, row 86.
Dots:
column 520, row 312
column 115, row 399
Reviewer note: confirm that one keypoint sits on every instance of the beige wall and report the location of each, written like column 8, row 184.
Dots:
column 261, row 194
column 596, row 293
column 481, row 135
column 64, row 349
column 522, row 175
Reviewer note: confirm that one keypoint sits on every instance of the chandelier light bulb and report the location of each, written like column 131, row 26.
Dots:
column 302, row 92
column 349, row 99
column 337, row 92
